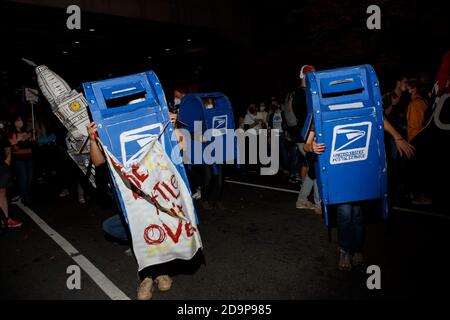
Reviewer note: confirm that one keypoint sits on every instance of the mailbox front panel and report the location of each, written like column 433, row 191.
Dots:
column 345, row 107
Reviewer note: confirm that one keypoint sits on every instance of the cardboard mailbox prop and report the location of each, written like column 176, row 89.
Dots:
column 345, row 107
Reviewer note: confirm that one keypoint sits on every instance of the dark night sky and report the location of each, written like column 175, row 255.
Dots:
column 281, row 36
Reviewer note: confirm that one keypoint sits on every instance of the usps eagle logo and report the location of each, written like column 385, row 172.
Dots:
column 220, row 124
column 133, row 143
column 351, row 142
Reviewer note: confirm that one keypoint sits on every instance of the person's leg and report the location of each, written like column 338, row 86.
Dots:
column 4, row 203
column 317, row 200
column 284, row 155
column 20, row 171
column 29, row 167
column 358, row 228
column 294, row 160
column 345, row 236
column 206, row 186
column 217, row 191
column 305, row 191
column 345, row 228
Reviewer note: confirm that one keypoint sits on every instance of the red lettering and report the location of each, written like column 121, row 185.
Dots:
column 175, row 237
column 156, row 187
column 170, row 191
column 190, row 230
column 140, row 177
column 173, row 182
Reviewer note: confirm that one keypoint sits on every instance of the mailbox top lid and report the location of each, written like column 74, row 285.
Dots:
column 125, row 94
column 338, row 89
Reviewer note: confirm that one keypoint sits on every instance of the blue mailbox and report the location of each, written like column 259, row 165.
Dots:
column 348, row 117
column 215, row 112
column 130, row 112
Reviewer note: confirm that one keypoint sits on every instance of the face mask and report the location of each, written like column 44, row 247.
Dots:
column 209, row 106
column 177, row 101
column 262, row 109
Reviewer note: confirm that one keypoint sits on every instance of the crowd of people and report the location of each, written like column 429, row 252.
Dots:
column 406, row 106
column 32, row 149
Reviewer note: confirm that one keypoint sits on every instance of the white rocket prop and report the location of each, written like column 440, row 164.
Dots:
column 71, row 109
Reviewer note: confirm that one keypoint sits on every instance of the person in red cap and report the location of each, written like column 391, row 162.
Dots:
column 309, row 181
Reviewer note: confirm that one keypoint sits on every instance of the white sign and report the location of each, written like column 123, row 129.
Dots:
column 158, row 207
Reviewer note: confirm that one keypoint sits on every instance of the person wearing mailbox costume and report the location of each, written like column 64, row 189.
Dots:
column 345, row 129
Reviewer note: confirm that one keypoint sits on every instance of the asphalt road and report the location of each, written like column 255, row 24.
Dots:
column 259, row 247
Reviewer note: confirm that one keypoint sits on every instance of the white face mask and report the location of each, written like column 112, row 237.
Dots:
column 209, row 106
column 2, row 126
column 262, row 109
column 177, row 101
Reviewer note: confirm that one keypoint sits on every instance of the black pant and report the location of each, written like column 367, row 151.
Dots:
column 212, row 184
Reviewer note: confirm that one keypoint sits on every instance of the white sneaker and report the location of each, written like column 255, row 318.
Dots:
column 145, row 289
column 318, row 210
column 64, row 193
column 304, row 204
column 164, row 283
column 198, row 194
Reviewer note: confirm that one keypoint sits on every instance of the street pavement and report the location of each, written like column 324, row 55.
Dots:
column 259, row 247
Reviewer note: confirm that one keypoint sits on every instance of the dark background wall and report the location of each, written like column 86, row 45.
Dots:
column 250, row 50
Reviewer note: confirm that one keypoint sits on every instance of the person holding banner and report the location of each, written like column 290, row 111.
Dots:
column 158, row 272
column 152, row 275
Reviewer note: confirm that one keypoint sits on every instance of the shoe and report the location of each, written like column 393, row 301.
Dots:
column 345, row 262
column 206, row 206
column 64, row 193
column 304, row 204
column 145, row 289
column 422, row 201
column 318, row 210
column 16, row 199
column 164, row 283
column 198, row 194
column 14, row 224
column 358, row 259
column 294, row 179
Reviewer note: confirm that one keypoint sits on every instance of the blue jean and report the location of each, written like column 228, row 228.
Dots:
column 307, row 185
column 115, row 228
column 288, row 155
column 350, row 228
column 23, row 169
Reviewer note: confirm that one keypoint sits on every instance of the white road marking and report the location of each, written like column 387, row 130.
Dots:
column 262, row 187
column 426, row 213
column 432, row 214
column 107, row 286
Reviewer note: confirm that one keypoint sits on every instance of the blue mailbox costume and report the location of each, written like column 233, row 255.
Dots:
column 348, row 117
column 125, row 129
column 219, row 119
